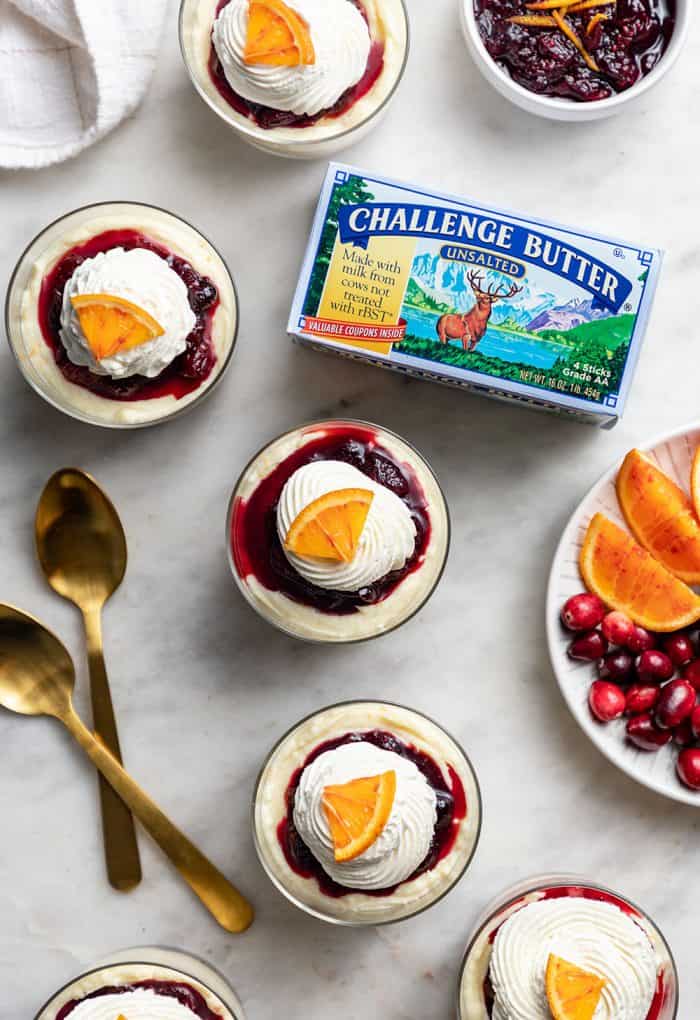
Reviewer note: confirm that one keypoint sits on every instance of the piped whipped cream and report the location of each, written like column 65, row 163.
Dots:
column 145, row 279
column 139, row 1004
column 341, row 41
column 403, row 844
column 598, row 937
column 387, row 541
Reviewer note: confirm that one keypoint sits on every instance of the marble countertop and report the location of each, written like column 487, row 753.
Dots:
column 203, row 687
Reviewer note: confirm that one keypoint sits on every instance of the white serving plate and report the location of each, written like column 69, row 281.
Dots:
column 673, row 452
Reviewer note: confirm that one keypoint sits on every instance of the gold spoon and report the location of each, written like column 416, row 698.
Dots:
column 82, row 550
column 36, row 678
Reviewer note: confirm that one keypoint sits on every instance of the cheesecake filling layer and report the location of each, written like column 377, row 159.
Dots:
column 387, row 541
column 341, row 43
column 405, row 840
column 147, row 281
column 597, row 937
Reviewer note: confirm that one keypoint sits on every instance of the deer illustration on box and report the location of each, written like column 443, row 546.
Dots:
column 471, row 327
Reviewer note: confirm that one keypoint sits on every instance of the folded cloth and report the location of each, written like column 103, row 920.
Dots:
column 70, row 71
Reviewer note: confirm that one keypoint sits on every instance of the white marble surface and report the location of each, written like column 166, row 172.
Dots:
column 203, row 687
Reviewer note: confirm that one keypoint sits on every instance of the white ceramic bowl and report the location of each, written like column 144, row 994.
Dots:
column 320, row 140
column 566, row 109
column 656, row 770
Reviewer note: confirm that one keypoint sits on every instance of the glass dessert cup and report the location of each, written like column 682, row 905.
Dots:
column 271, row 807
column 330, row 133
column 471, row 997
column 214, row 998
column 566, row 109
column 24, row 312
column 302, row 619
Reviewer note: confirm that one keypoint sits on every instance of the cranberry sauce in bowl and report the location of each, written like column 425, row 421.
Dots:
column 584, row 51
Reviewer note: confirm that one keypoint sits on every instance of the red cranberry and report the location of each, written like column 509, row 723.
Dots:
column 689, row 767
column 617, row 628
column 645, row 734
column 695, row 722
column 641, row 641
column 642, row 698
column 582, row 612
column 676, row 702
column 654, row 667
column 606, row 701
column 683, row 735
column 617, row 666
column 679, row 649
column 588, row 647
column 691, row 673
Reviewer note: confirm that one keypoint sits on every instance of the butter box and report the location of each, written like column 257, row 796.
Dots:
column 444, row 289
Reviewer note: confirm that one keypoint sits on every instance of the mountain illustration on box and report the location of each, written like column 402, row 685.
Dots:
column 445, row 288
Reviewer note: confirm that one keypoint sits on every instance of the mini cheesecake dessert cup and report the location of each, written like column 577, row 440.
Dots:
column 121, row 315
column 350, row 56
column 144, row 983
column 337, row 473
column 333, row 771
column 560, row 926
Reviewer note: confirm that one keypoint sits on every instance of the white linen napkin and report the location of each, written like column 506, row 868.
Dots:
column 70, row 71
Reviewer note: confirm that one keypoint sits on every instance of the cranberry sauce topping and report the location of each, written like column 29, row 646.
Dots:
column 185, row 374
column 257, row 550
column 267, row 117
column 451, row 810
column 183, row 993
column 586, row 893
column 625, row 44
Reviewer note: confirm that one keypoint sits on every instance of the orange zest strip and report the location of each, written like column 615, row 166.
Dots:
column 357, row 813
column 111, row 324
column 572, row 993
column 595, row 20
column 277, row 35
column 571, row 34
column 588, row 5
column 533, row 20
column 550, row 5
column 331, row 526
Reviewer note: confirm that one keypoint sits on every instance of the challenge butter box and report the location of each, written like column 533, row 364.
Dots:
column 444, row 289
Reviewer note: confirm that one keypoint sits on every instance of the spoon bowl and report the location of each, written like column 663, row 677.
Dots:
column 36, row 671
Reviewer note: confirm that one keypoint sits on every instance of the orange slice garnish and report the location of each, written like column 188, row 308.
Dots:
column 572, row 993
column 629, row 579
column 111, row 324
column 660, row 516
column 277, row 35
column 695, row 482
column 330, row 527
column 357, row 813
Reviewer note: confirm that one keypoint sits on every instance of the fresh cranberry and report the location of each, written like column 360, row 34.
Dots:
column 588, row 647
column 691, row 673
column 582, row 612
column 641, row 640
column 654, row 667
column 695, row 722
column 679, row 649
column 689, row 767
column 606, row 701
column 675, row 704
column 683, row 735
column 642, row 698
column 617, row 666
column 645, row 734
column 617, row 628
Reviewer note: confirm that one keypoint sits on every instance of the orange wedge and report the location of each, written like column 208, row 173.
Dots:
column 277, row 35
column 111, row 324
column 357, row 813
column 695, row 482
column 660, row 516
column 330, row 527
column 572, row 993
column 626, row 577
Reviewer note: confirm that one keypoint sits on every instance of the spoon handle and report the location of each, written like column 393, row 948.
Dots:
column 119, row 832
column 229, row 907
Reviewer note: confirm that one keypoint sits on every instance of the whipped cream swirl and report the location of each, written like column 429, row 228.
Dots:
column 341, row 42
column 598, row 937
column 403, row 844
column 145, row 279
column 387, row 541
column 139, row 1004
